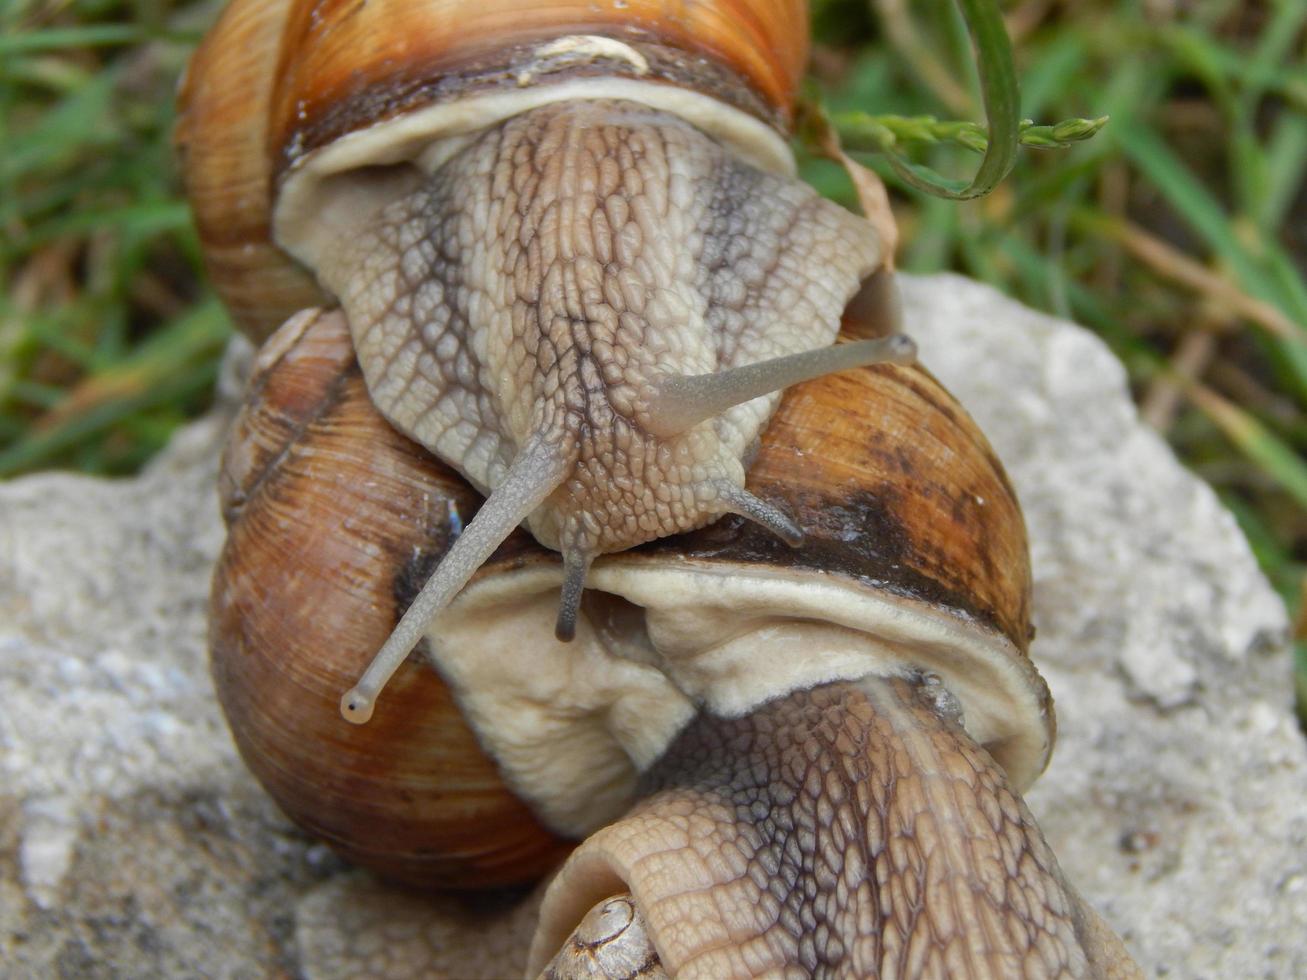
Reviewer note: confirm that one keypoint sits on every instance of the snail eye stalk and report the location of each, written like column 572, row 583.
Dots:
column 678, row 403
column 575, row 566
column 536, row 473
column 737, row 500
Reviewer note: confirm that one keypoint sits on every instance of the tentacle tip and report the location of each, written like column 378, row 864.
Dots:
column 742, row 502
column 791, row 535
column 565, row 627
column 356, row 707
column 785, row 528
column 901, row 349
column 575, row 566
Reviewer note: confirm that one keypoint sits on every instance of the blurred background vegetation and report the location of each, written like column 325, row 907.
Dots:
column 1179, row 233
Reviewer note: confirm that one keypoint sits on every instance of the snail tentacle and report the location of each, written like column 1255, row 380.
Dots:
column 575, row 566
column 737, row 500
column 534, row 475
column 679, row 402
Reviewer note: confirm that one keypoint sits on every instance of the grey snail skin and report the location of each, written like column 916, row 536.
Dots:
column 543, row 273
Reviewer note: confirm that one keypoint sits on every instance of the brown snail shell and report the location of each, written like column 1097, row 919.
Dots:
column 332, row 515
column 518, row 206
column 276, row 80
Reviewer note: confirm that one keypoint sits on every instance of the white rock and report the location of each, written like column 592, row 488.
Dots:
column 1174, row 799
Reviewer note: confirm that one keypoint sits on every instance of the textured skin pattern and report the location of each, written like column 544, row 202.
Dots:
column 540, row 282
column 850, row 831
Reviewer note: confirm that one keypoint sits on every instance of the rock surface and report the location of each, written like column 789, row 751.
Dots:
column 133, row 843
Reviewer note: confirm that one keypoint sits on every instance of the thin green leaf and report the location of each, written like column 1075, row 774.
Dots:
column 1274, row 47
column 177, row 363
column 1268, row 274
column 78, row 121
column 1286, row 169
column 89, row 36
column 998, row 84
column 143, row 220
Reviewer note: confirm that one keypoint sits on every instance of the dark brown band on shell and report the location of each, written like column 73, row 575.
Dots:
column 308, row 125
column 912, row 501
column 344, row 65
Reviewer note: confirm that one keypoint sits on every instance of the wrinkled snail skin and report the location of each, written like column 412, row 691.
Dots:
column 545, row 281
column 543, row 271
column 853, row 830
column 577, row 268
column 522, row 312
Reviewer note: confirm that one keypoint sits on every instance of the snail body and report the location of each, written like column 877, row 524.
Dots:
column 738, row 725
column 554, row 257
column 710, row 619
column 584, row 303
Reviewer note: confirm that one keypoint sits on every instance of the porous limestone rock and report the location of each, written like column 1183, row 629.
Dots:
column 133, row 843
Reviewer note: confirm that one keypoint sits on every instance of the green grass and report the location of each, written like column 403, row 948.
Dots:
column 1179, row 232
column 108, row 340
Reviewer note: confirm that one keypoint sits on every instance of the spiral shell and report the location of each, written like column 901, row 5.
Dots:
column 276, row 83
column 333, row 518
column 914, row 543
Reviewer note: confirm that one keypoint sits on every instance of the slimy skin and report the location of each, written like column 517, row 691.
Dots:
column 853, row 830
column 587, row 306
column 589, row 311
column 844, row 829
column 545, row 280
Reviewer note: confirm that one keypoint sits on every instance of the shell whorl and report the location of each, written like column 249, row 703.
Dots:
column 333, row 520
column 274, row 82
column 321, row 559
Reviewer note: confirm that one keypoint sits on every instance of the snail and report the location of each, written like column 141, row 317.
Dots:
column 556, row 280
column 781, row 758
column 553, row 256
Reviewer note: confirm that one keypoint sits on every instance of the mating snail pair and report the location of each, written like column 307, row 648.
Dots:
column 561, row 246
